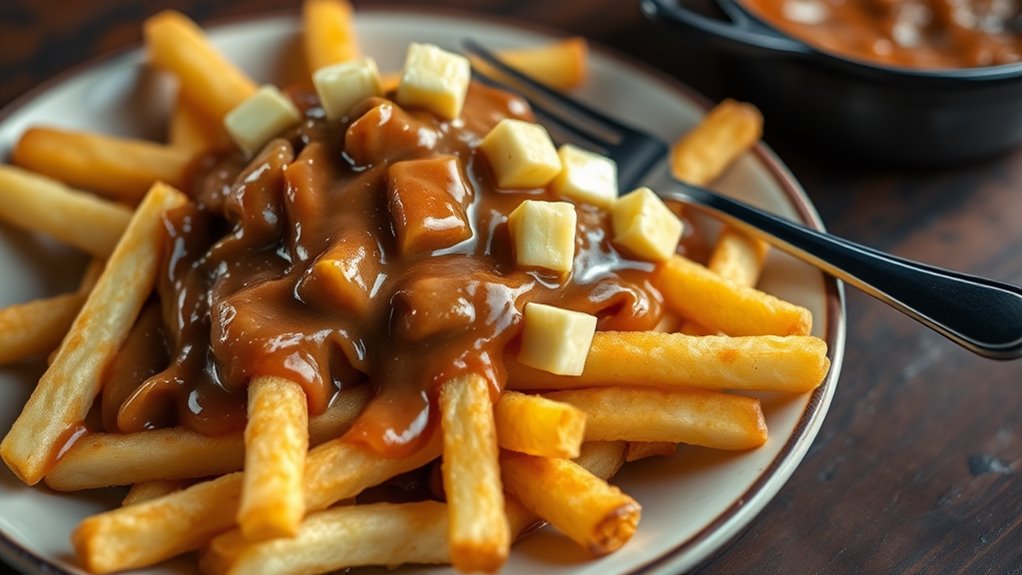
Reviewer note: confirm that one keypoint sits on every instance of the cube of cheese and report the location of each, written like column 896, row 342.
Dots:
column 259, row 118
column 543, row 234
column 434, row 79
column 586, row 177
column 521, row 154
column 556, row 340
column 343, row 85
column 644, row 226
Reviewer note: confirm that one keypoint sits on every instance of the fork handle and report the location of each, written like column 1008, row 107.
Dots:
column 982, row 315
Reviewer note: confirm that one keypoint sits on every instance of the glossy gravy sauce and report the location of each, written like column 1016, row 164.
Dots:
column 909, row 33
column 240, row 294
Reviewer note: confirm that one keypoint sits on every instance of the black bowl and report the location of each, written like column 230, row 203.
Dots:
column 885, row 114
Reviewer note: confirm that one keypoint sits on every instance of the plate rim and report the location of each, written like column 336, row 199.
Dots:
column 737, row 516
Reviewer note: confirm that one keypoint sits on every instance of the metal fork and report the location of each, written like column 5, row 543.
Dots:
column 982, row 315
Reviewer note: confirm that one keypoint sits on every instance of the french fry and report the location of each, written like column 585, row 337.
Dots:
column 120, row 168
column 562, row 64
column 328, row 33
column 149, row 490
column 39, row 204
column 645, row 449
column 351, row 536
column 65, row 393
column 696, row 417
column 191, row 130
column 725, row 306
column 276, row 441
column 594, row 514
column 36, row 327
column 538, row 426
column 477, row 528
column 674, row 360
column 738, row 257
column 730, row 129
column 207, row 79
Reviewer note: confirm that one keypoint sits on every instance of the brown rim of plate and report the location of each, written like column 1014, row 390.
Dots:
column 834, row 333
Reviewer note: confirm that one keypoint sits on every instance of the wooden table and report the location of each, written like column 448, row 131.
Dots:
column 915, row 469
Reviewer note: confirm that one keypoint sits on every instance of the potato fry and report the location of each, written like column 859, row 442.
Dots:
column 537, row 426
column 276, row 442
column 191, row 130
column 562, row 64
column 725, row 306
column 36, row 327
column 351, row 536
column 696, row 417
column 328, row 33
column 645, row 449
column 735, row 257
column 39, row 204
column 66, row 391
column 594, row 514
column 674, row 360
column 477, row 527
column 730, row 129
column 149, row 490
column 120, row 168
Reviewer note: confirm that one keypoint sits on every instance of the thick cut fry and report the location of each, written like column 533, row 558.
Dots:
column 39, row 204
column 594, row 514
column 725, row 306
column 36, row 327
column 378, row 534
column 562, row 65
column 191, row 130
column 644, row 449
column 207, row 79
column 478, row 530
column 538, row 426
column 329, row 33
column 108, row 459
column 147, row 533
column 674, row 360
column 738, row 257
column 276, row 442
column 149, row 490
column 120, row 168
column 707, row 418
column 67, row 389
column 725, row 133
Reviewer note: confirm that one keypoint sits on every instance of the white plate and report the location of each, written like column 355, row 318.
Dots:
column 692, row 503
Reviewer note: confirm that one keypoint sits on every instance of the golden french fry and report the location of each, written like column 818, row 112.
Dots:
column 389, row 81
column 385, row 534
column 644, row 449
column 120, row 168
column 191, row 130
column 276, row 442
column 675, row 360
column 725, row 306
column 57, row 407
column 149, row 490
column 39, row 204
column 562, row 64
column 738, row 257
column 207, row 79
column 329, row 33
column 36, row 327
column 538, row 426
column 707, row 418
column 594, row 514
column 730, row 129
column 477, row 528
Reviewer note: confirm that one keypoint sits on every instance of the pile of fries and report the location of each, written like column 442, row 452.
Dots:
column 263, row 501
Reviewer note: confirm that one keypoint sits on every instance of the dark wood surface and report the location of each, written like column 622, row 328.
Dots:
column 916, row 469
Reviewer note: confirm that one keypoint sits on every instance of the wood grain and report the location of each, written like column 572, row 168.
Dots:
column 916, row 468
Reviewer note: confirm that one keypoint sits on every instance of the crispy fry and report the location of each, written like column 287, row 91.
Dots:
column 645, row 449
column 379, row 534
column 725, row 306
column 207, row 79
column 674, row 360
column 562, row 64
column 36, row 327
column 478, row 530
column 149, row 490
column 276, row 441
column 537, row 426
column 66, row 391
column 730, row 129
column 738, row 257
column 78, row 219
column 329, row 33
column 594, row 514
column 707, row 418
column 120, row 168
column 191, row 130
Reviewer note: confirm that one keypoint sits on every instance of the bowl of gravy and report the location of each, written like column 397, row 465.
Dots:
column 895, row 82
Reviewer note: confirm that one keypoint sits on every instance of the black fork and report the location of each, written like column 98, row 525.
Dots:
column 982, row 315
